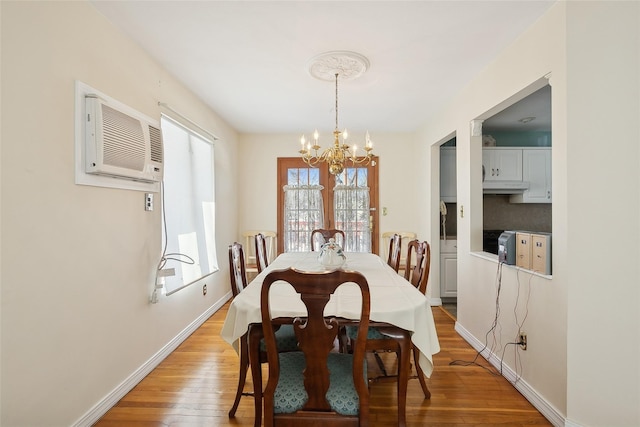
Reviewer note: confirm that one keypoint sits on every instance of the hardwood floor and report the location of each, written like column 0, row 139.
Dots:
column 195, row 386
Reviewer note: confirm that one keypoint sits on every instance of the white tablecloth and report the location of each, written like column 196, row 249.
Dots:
column 393, row 300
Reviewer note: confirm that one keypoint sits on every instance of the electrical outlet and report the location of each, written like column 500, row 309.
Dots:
column 522, row 341
column 204, row 289
column 148, row 201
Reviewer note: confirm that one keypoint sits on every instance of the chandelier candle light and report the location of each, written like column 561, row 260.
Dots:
column 345, row 64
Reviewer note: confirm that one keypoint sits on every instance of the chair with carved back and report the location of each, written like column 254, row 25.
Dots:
column 286, row 337
column 406, row 237
column 417, row 272
column 262, row 258
column 237, row 268
column 248, row 236
column 316, row 386
column 320, row 236
column 392, row 339
column 418, row 275
column 395, row 244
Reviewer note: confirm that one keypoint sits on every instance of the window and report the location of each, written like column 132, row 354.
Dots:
column 188, row 206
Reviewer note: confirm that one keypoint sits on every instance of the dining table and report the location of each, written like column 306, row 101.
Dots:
column 395, row 303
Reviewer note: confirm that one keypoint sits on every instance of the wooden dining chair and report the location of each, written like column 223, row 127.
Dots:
column 316, row 386
column 405, row 236
column 287, row 340
column 390, row 339
column 395, row 244
column 262, row 258
column 320, row 236
column 417, row 273
column 248, row 236
column 418, row 264
column 237, row 268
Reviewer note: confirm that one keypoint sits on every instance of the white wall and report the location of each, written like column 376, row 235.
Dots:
column 77, row 261
column 580, row 359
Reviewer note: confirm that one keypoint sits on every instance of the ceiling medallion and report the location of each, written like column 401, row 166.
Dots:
column 348, row 65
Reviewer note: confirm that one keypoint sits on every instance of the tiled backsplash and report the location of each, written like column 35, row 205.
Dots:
column 499, row 214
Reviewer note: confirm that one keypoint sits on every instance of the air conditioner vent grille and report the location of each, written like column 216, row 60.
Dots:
column 124, row 143
column 156, row 144
column 121, row 142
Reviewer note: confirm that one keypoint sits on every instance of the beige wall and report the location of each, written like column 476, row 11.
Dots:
column 603, row 135
column 579, row 360
column 77, row 261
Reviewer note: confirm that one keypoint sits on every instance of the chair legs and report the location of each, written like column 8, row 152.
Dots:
column 242, row 376
column 252, row 339
column 403, row 349
column 247, row 358
column 380, row 363
column 404, row 365
column 255, row 334
column 420, row 373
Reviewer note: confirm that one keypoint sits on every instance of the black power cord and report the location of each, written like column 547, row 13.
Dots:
column 491, row 369
column 494, row 325
column 165, row 257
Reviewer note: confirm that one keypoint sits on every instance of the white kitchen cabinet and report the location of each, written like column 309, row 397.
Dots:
column 448, row 174
column 536, row 170
column 448, row 269
column 502, row 164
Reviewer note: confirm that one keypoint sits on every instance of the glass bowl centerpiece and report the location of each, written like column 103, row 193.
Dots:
column 331, row 255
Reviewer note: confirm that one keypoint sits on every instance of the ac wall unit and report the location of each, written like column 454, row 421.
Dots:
column 120, row 145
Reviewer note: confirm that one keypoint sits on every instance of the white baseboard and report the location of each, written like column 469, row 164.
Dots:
column 434, row 302
column 101, row 408
column 545, row 408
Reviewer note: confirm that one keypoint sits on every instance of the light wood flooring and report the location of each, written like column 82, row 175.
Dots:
column 195, row 386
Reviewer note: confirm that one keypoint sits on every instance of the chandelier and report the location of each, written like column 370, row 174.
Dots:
column 342, row 65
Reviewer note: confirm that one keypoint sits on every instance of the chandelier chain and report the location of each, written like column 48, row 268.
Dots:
column 336, row 101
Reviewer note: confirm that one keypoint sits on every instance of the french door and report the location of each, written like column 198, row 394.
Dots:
column 310, row 198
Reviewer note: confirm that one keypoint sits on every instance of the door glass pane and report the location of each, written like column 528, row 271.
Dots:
column 304, row 210
column 351, row 209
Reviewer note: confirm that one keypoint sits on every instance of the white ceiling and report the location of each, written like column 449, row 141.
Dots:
column 248, row 59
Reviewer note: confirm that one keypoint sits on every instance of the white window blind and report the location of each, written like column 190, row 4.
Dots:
column 188, row 206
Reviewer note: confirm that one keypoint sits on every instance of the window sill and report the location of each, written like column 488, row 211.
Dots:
column 494, row 258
